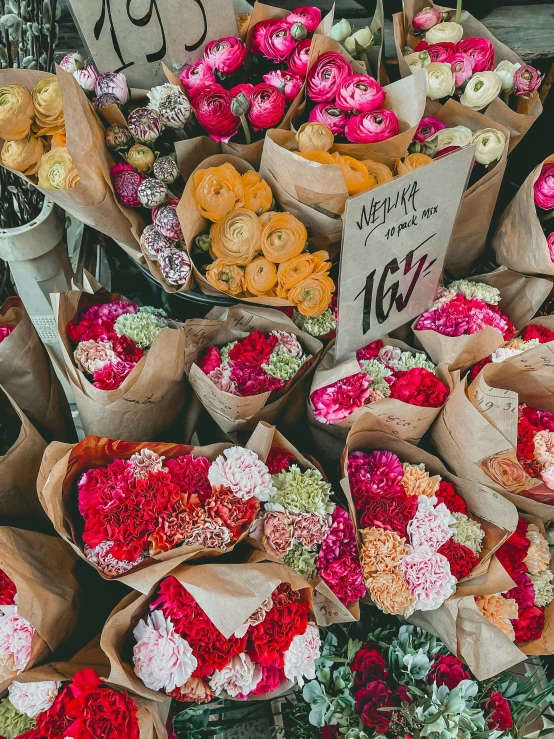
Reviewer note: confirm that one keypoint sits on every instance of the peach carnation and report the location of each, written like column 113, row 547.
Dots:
column 390, row 592
column 499, row 611
column 382, row 550
column 417, row 481
column 538, row 554
column 544, row 447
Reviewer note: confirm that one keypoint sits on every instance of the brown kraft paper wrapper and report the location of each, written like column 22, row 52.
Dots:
column 234, row 414
column 328, row 609
column 151, row 398
column 26, row 372
column 152, row 715
column 519, row 240
column 43, row 570
column 520, row 298
column 92, row 200
column 477, row 208
column 228, row 594
column 402, row 420
column 497, row 517
column 19, row 504
column 518, row 121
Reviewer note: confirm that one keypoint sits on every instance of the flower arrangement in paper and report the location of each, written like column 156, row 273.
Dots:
column 544, row 201
column 532, row 336
column 110, row 338
column 253, row 250
column 417, row 536
column 385, row 372
column 16, row 633
column 84, row 707
column 32, row 126
column 520, row 612
column 465, row 308
column 186, row 501
column 179, row 650
column 535, row 443
column 306, row 530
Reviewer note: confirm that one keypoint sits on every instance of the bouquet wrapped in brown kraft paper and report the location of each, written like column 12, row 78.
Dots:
column 62, row 697
column 239, row 631
column 75, row 172
column 426, row 537
column 508, row 94
column 250, row 364
column 125, row 365
column 509, row 410
column 529, row 213
column 39, row 599
column 388, row 379
column 473, row 317
column 26, row 372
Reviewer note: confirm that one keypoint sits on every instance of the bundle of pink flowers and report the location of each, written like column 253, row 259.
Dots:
column 465, row 308
column 386, row 372
column 111, row 338
column 418, row 539
column 300, row 525
column 16, row 633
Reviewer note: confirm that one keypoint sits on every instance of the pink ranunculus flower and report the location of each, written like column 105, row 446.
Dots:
column 361, row 93
column 212, row 106
column 544, row 187
column 481, row 50
column 16, row 636
column 196, row 78
column 278, row 532
column 326, row 75
column 550, row 244
column 289, row 82
column 225, row 55
column 267, row 106
column 302, row 654
column 527, row 79
column 328, row 113
column 299, row 58
column 426, row 19
column 5, row 331
column 210, row 360
column 370, row 128
column 33, row 698
column 430, row 525
column 462, row 67
column 429, row 578
column 244, row 87
column 276, row 42
column 334, row 403
column 243, row 472
column 309, row 16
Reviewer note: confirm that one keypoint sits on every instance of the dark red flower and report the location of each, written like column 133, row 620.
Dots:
column 479, row 366
column 523, row 593
column 330, row 732
column 368, row 664
column 278, row 460
column 393, row 514
column 499, row 713
column 462, row 560
column 212, row 106
column 420, row 387
column 251, row 379
column 126, row 349
column 191, row 475
column 7, row 590
column 447, row 495
column 369, row 700
column 370, row 351
column 447, row 670
column 255, row 349
column 514, row 550
column 536, row 331
column 529, row 625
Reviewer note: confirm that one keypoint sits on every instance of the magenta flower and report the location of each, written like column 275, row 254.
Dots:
column 462, row 66
column 428, row 127
column 225, row 55
column 5, row 331
column 360, row 92
column 374, row 475
column 544, row 187
column 370, row 128
column 328, row 113
column 334, row 403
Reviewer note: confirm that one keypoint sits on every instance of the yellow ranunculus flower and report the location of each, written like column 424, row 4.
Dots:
column 236, row 237
column 47, row 99
column 356, row 177
column 299, row 268
column 23, row 155
column 56, row 168
column 283, row 237
column 225, row 276
column 411, row 162
column 313, row 295
column 16, row 112
column 257, row 193
column 218, row 191
column 260, row 276
column 320, row 157
column 314, row 137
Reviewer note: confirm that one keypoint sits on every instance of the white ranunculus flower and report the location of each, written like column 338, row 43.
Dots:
column 362, row 38
column 481, row 90
column 417, row 61
column 490, row 145
column 447, row 31
column 505, row 71
column 440, row 80
column 341, row 30
column 455, row 136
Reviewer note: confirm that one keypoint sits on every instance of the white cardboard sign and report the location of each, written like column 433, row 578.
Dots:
column 394, row 242
column 136, row 36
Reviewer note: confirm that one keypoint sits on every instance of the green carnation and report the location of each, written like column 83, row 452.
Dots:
column 544, row 590
column 479, row 290
column 468, row 532
column 410, row 361
column 302, row 492
column 377, row 372
column 315, row 325
column 283, row 365
column 13, row 722
column 224, row 351
column 152, row 311
column 301, row 560
column 142, row 327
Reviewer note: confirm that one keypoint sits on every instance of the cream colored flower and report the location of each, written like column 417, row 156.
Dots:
column 499, row 611
column 440, row 80
column 455, row 136
column 382, row 550
column 490, row 145
column 57, row 170
column 544, row 447
column 360, row 40
column 505, row 70
column 390, row 592
column 538, row 554
column 481, row 90
column 417, row 61
column 446, row 31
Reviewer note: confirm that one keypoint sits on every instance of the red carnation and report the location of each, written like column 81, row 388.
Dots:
column 255, row 349
column 420, row 387
column 536, row 331
column 272, row 678
column 499, row 713
column 479, row 366
column 523, row 593
column 8, row 590
column 210, row 360
column 514, row 550
column 278, row 460
column 368, row 664
column 112, row 375
column 234, row 513
column 371, row 351
column 393, row 514
column 126, row 349
column 447, row 495
column 447, row 670
column 251, row 379
column 191, row 475
column 529, row 625
column 462, row 560
column 369, row 700
column 53, row 723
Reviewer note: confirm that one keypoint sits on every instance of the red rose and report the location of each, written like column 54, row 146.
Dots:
column 213, row 112
column 330, row 732
column 447, row 495
column 462, row 560
column 368, row 664
column 267, row 106
column 529, row 625
column 276, row 41
column 403, row 695
column 375, row 695
column 420, row 387
column 481, row 50
column 256, row 348
column 447, row 670
column 499, row 713
column 7, row 590
column 393, row 514
column 225, row 55
column 371, row 351
column 536, row 331
column 514, row 550
column 479, row 366
column 278, row 460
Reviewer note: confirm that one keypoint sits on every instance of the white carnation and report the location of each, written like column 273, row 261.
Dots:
column 33, row 698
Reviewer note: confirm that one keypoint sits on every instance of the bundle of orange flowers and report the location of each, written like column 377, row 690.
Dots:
column 256, row 250
column 32, row 126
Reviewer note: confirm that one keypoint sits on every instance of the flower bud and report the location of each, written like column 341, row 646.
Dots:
column 118, row 137
column 361, row 40
column 506, row 70
column 113, row 83
column 299, row 31
column 426, row 19
column 145, row 125
column 203, row 243
column 71, row 62
column 166, row 170
column 341, row 31
column 140, row 157
column 314, row 137
column 240, row 105
column 526, row 80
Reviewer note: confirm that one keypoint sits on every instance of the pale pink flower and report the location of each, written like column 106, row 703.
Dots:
column 288, row 343
column 309, row 529
column 256, row 618
column 209, row 535
column 504, row 353
column 221, row 378
column 390, row 355
column 145, row 462
column 100, row 557
column 239, row 677
column 547, row 477
column 429, row 578
column 163, row 660
column 430, row 525
column 300, row 657
column 444, row 295
column 16, row 636
column 334, row 403
column 277, row 533
column 544, row 447
column 33, row 698
column 243, row 472
column 92, row 356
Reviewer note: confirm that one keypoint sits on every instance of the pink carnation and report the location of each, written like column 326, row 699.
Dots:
column 302, row 654
column 371, row 351
column 146, row 462
column 524, row 591
column 340, row 539
column 221, row 378
column 345, row 578
column 99, row 486
column 243, row 473
column 250, row 379
column 5, row 331
column 374, row 475
column 16, row 636
column 109, row 311
column 287, row 343
column 210, row 360
column 92, row 356
column 429, row 527
column 277, row 533
column 429, row 578
column 462, row 315
column 111, row 376
column 309, row 529
column 334, row 403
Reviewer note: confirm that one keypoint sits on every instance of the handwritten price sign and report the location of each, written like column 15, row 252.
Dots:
column 394, row 242
column 136, row 36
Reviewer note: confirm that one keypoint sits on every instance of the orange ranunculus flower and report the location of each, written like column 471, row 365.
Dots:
column 379, row 172
column 225, row 276
column 313, row 295
column 314, row 136
column 257, row 193
column 299, row 268
column 23, row 155
column 356, row 176
column 236, row 237
column 411, row 162
column 59, row 139
column 320, row 157
column 218, row 191
column 260, row 276
column 47, row 99
column 283, row 237
column 16, row 112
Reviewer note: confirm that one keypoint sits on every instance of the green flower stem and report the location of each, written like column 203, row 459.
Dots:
column 458, row 11
column 246, row 129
